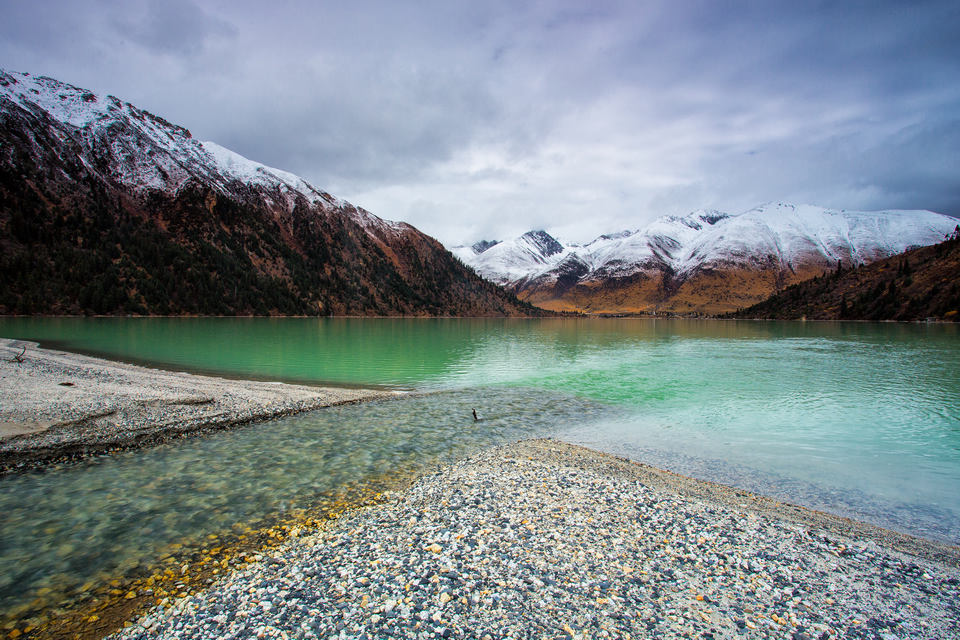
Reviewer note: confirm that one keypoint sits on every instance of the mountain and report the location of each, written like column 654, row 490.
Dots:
column 106, row 208
column 509, row 262
column 705, row 262
column 915, row 285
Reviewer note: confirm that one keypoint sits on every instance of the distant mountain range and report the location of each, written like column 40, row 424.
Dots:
column 108, row 209
column 705, row 262
column 919, row 284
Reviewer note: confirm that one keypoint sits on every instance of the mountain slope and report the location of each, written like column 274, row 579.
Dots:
column 705, row 262
column 915, row 285
column 106, row 208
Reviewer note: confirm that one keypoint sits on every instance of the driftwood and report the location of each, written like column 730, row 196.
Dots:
column 19, row 356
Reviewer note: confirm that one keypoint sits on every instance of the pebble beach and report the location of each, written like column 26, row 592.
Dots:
column 542, row 539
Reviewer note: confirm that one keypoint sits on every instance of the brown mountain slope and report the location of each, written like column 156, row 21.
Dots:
column 124, row 213
column 706, row 291
column 919, row 284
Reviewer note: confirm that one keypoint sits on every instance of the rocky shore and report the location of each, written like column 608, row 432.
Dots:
column 541, row 539
column 56, row 405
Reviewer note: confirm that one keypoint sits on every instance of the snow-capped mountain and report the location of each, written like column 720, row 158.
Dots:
column 796, row 236
column 707, row 261
column 508, row 262
column 107, row 208
column 146, row 153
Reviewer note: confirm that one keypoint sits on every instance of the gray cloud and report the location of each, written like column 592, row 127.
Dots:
column 487, row 119
column 178, row 27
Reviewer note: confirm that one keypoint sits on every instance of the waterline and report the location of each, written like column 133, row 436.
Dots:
column 857, row 419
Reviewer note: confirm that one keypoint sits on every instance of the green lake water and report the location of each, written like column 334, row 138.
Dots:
column 854, row 418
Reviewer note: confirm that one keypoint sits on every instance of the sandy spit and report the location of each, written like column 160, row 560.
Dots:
column 56, row 405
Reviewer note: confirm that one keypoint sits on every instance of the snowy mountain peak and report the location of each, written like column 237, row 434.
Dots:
column 701, row 217
column 144, row 151
column 507, row 261
column 148, row 153
column 788, row 238
column 85, row 110
column 614, row 236
column 483, row 245
column 542, row 242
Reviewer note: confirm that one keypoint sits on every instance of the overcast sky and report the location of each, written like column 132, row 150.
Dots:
column 484, row 119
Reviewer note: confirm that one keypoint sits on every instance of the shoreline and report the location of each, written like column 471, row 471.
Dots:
column 541, row 538
column 506, row 502
column 57, row 405
column 732, row 497
column 519, row 490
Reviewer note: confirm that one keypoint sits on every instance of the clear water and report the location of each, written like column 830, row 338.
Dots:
column 858, row 419
column 103, row 518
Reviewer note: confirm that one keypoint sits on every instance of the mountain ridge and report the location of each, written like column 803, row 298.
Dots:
column 705, row 262
column 106, row 208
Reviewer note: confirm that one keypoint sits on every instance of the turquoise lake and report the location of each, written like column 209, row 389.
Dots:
column 854, row 418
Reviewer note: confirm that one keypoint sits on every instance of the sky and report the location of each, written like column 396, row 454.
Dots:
column 486, row 119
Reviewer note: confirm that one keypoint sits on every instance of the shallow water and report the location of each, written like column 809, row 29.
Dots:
column 102, row 518
column 858, row 419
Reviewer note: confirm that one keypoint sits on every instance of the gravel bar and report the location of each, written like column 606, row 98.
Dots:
column 56, row 405
column 541, row 539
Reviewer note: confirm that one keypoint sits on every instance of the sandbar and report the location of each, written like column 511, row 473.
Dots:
column 56, row 405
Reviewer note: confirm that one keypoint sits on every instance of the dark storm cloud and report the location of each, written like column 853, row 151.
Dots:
column 486, row 119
